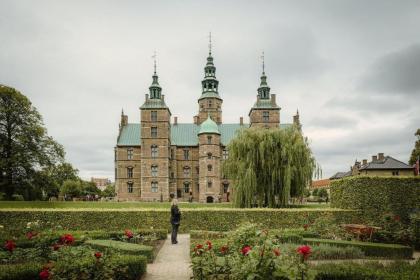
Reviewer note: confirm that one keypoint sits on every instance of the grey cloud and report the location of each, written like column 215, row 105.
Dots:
column 395, row 73
column 332, row 121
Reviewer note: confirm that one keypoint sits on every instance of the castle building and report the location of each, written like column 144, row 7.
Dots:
column 157, row 157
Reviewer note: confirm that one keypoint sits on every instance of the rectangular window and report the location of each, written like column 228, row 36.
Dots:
column 266, row 115
column 209, row 139
column 225, row 154
column 186, row 154
column 186, row 187
column 154, row 151
column 154, row 187
column 129, row 172
column 172, row 175
column 186, row 171
column 172, row 154
column 130, row 187
column 209, row 184
column 225, row 187
column 154, row 116
column 154, row 132
column 129, row 154
column 154, row 170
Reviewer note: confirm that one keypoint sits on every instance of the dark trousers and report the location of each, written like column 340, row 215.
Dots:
column 174, row 233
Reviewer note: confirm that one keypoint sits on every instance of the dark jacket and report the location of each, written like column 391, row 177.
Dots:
column 175, row 215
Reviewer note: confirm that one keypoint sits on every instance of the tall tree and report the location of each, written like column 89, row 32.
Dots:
column 268, row 166
column 25, row 146
column 415, row 154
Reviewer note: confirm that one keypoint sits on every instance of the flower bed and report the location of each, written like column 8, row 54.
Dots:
column 122, row 247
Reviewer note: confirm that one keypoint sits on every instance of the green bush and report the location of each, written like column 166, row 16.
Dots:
column 375, row 196
column 159, row 234
column 20, row 271
column 371, row 271
column 370, row 249
column 17, row 197
column 122, row 247
column 192, row 219
column 206, row 234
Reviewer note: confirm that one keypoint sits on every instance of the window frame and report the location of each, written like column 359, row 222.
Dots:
column 153, row 116
column 154, row 170
column 130, row 153
column 130, row 187
column 130, row 172
column 154, row 132
column 154, row 151
column 154, row 187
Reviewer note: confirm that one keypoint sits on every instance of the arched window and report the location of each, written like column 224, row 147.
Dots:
column 209, row 167
column 130, row 187
column 209, row 155
column 187, row 171
column 154, row 170
column 154, row 151
column 129, row 172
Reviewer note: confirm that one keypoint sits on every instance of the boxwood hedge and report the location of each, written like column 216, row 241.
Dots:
column 122, row 247
column 392, row 251
column 192, row 219
column 375, row 196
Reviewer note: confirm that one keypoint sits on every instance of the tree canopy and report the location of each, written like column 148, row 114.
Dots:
column 268, row 166
column 415, row 154
column 25, row 146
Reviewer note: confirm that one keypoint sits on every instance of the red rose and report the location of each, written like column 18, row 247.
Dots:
column 397, row 218
column 199, row 247
column 245, row 250
column 10, row 245
column 209, row 245
column 224, row 249
column 305, row 226
column 67, row 239
column 30, row 235
column 44, row 275
column 128, row 233
column 276, row 252
column 304, row 250
column 56, row 247
column 98, row 255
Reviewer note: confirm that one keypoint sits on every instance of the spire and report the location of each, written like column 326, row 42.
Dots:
column 210, row 84
column 155, row 89
column 264, row 89
column 210, row 44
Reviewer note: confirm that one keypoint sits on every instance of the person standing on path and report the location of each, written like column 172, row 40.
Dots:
column 175, row 220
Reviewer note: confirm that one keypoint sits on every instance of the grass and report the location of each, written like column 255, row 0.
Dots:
column 123, row 205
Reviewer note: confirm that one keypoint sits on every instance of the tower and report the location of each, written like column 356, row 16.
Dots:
column 209, row 161
column 265, row 112
column 210, row 103
column 155, row 143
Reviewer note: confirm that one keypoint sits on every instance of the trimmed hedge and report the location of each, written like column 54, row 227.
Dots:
column 393, row 251
column 192, row 219
column 375, row 196
column 20, row 271
column 123, row 247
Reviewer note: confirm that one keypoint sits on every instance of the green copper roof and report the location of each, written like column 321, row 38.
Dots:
column 182, row 134
column 264, row 104
column 209, row 94
column 154, row 104
column 209, row 126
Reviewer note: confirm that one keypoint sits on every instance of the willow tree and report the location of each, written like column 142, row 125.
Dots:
column 268, row 166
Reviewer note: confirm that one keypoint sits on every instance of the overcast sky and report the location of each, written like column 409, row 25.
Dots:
column 352, row 68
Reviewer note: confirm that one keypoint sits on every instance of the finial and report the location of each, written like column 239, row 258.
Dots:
column 154, row 61
column 122, row 111
column 263, row 63
column 210, row 43
column 297, row 112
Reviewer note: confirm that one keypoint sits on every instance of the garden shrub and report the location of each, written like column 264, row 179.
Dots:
column 192, row 219
column 368, row 248
column 21, row 271
column 375, row 196
column 122, row 247
column 206, row 234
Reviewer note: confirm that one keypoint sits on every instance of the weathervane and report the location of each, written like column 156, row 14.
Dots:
column 263, row 63
column 154, row 60
column 210, row 43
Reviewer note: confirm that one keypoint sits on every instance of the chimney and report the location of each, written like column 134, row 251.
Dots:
column 147, row 96
column 273, row 99
column 374, row 158
column 195, row 119
column 163, row 97
column 175, row 120
column 241, row 120
column 381, row 156
column 364, row 161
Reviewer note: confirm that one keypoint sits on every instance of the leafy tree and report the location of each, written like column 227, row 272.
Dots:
column 62, row 172
column 71, row 188
column 323, row 193
column 268, row 166
column 89, row 188
column 415, row 154
column 315, row 192
column 109, row 191
column 25, row 146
